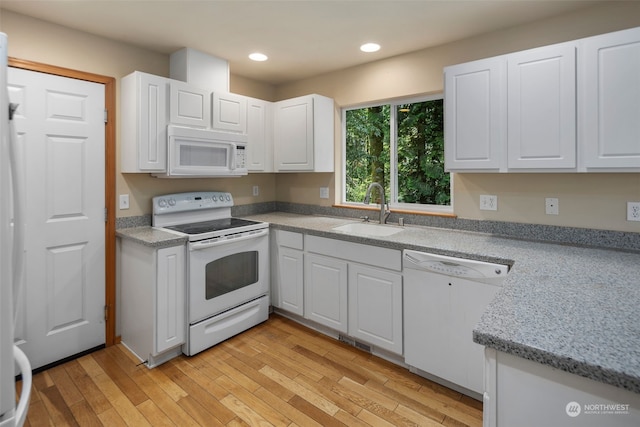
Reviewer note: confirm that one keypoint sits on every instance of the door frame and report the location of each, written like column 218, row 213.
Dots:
column 110, row 178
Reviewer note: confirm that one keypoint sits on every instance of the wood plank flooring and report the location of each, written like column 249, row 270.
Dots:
column 278, row 373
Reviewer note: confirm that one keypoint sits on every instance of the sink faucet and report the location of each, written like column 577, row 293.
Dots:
column 384, row 214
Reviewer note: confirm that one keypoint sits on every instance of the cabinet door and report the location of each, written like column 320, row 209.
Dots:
column 541, row 108
column 610, row 100
column 325, row 291
column 170, row 298
column 475, row 115
column 290, row 280
column 260, row 135
column 144, row 123
column 229, row 112
column 375, row 307
column 293, row 134
column 189, row 106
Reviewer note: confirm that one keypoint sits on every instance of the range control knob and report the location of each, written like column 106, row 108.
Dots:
column 228, row 198
column 214, row 198
column 172, row 202
column 162, row 203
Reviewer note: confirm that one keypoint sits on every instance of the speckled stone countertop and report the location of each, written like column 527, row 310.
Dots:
column 572, row 308
column 152, row 237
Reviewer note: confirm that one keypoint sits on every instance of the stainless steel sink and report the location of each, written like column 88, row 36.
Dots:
column 368, row 229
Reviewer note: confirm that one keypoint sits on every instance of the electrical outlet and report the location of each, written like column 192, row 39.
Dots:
column 551, row 206
column 633, row 211
column 324, row 192
column 488, row 203
column 124, row 201
column 256, row 190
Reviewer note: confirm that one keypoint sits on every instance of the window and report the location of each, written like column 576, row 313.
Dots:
column 401, row 146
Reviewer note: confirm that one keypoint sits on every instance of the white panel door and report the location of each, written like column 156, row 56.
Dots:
column 541, row 118
column 610, row 100
column 60, row 122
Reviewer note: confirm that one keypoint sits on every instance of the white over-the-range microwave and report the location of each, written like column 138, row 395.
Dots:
column 200, row 153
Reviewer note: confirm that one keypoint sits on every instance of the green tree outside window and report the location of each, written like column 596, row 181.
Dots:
column 415, row 143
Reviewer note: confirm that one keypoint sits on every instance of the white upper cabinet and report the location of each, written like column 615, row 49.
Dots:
column 610, row 100
column 189, row 106
column 229, row 112
column 541, row 113
column 569, row 107
column 303, row 134
column 145, row 114
column 475, row 124
column 260, row 135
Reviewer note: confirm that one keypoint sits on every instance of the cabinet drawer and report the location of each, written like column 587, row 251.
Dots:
column 289, row 239
column 390, row 259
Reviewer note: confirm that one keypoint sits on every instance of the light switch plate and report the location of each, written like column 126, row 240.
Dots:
column 324, row 192
column 256, row 190
column 124, row 201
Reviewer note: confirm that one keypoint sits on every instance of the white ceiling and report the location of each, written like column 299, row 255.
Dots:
column 302, row 38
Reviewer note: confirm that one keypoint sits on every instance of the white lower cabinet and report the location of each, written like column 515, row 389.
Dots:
column 523, row 393
column 153, row 305
column 287, row 271
column 351, row 288
column 375, row 306
column 325, row 291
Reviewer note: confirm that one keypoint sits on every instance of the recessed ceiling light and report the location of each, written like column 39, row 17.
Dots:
column 370, row 47
column 257, row 56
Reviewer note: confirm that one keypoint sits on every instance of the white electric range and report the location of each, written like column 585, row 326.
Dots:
column 227, row 265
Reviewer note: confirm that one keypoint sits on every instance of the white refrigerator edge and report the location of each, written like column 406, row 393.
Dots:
column 11, row 257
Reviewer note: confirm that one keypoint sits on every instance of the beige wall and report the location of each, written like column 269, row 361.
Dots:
column 586, row 200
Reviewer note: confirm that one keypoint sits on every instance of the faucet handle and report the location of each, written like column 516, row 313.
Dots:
column 364, row 218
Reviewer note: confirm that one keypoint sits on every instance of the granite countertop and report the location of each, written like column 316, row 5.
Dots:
column 152, row 237
column 571, row 308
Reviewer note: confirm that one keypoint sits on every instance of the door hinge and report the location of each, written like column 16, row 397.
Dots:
column 106, row 115
column 106, row 313
column 106, row 214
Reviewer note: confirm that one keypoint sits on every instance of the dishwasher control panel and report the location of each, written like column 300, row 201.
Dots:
column 451, row 266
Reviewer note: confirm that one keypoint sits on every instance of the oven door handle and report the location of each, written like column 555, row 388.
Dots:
column 196, row 246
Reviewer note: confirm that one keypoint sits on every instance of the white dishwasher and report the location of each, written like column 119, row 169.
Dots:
column 444, row 298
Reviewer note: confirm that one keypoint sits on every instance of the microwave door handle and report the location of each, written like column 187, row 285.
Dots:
column 196, row 246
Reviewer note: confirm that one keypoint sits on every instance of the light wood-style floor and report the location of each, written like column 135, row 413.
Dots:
column 278, row 373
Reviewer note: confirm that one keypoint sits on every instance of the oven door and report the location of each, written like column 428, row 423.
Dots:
column 225, row 274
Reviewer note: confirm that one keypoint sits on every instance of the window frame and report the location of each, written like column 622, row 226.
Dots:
column 392, row 190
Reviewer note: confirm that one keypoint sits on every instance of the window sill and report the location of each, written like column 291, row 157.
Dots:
column 398, row 210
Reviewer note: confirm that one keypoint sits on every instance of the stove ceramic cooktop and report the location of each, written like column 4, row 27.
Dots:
column 210, row 226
